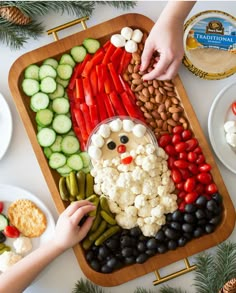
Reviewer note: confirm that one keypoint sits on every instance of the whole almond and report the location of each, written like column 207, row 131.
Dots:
column 143, row 109
column 168, row 83
column 169, row 128
column 139, row 88
column 158, row 97
column 153, row 124
column 162, row 91
column 136, row 68
column 165, row 126
column 167, row 103
column 155, row 84
column 149, row 105
column 174, row 109
column 145, row 92
column 163, row 115
column 126, row 76
column 155, row 114
column 142, row 98
column 130, row 68
column 174, row 100
column 147, row 115
column 182, row 120
column 161, row 108
column 137, row 81
column 171, row 94
column 136, row 56
column 175, row 117
column 151, row 89
column 139, row 103
column 135, row 76
column 159, row 124
column 171, row 122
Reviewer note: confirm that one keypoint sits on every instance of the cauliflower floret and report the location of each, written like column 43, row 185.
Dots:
column 161, row 221
column 140, row 150
column 115, row 161
column 149, row 220
column 126, row 221
column 154, row 202
column 138, row 174
column 123, row 168
column 150, row 148
column 113, row 206
column 7, row 259
column 131, row 211
column 106, row 163
column 136, row 188
column 149, row 187
column 156, row 172
column 139, row 160
column 164, row 166
column 149, row 230
column 165, row 179
column 149, row 162
column 140, row 222
column 158, row 211
column 169, row 203
column 126, row 198
column 140, row 201
column 97, row 189
column 124, row 180
column 145, row 211
column 162, row 190
column 161, row 153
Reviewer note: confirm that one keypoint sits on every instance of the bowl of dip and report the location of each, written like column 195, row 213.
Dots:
column 210, row 44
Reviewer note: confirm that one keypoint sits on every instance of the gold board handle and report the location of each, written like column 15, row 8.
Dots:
column 56, row 29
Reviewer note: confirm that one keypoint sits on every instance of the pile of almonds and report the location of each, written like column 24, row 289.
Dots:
column 157, row 99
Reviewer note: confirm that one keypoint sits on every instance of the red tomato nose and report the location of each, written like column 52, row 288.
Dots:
column 121, row 149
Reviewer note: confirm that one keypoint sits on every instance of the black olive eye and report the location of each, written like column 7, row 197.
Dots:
column 124, row 139
column 111, row 145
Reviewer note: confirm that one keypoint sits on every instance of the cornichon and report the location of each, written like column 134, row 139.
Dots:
column 99, row 231
column 81, row 184
column 107, row 234
column 89, row 185
column 86, row 244
column 73, row 184
column 108, row 218
column 63, row 190
column 95, row 200
column 104, row 204
column 96, row 221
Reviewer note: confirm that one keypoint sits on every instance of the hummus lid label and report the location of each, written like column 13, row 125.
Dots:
column 210, row 45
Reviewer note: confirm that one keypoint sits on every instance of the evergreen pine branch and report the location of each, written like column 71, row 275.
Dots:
column 86, row 286
column 143, row 290
column 119, row 4
column 168, row 289
column 204, row 275
column 225, row 263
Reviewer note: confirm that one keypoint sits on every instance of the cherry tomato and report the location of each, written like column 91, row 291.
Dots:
column 190, row 184
column 182, row 164
column 185, row 173
column 11, row 232
column 200, row 159
column 204, row 178
column 183, row 156
column 192, row 157
column 176, row 138
column 170, row 150
column 211, row 188
column 180, row 186
column 176, row 176
column 198, row 150
column 127, row 160
column 193, row 168
column 178, row 129
column 164, row 140
column 199, row 188
column 192, row 143
column 121, row 149
column 204, row 167
column 233, row 107
column 1, row 206
column 170, row 162
column 186, row 134
column 181, row 147
column 182, row 194
column 191, row 197
column 182, row 206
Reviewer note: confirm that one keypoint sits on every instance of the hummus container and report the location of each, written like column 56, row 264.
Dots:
column 210, row 44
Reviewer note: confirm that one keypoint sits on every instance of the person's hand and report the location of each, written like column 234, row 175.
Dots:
column 166, row 38
column 68, row 232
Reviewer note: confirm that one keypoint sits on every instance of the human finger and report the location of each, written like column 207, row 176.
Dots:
column 159, row 68
column 146, row 56
column 81, row 212
column 171, row 71
column 74, row 206
column 84, row 229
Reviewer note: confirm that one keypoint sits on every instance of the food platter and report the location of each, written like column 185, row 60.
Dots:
column 218, row 115
column 5, row 126
column 102, row 32
column 9, row 193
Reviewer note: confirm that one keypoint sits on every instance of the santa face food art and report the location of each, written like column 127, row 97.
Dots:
column 132, row 172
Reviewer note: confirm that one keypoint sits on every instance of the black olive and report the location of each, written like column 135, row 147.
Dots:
column 151, row 252
column 177, row 216
column 198, row 232
column 202, row 222
column 126, row 241
column 189, row 218
column 124, row 139
column 141, row 246
column 89, row 255
column 211, row 205
column 190, row 208
column 200, row 214
column 186, row 227
column 201, row 201
column 127, row 251
column 175, row 225
column 152, row 243
column 95, row 265
column 168, row 217
column 111, row 145
column 215, row 220
column 112, row 262
column 106, row 269
column 209, row 228
column 130, row 260
column 209, row 214
column 2, row 237
column 160, row 235
column 217, row 197
column 142, row 238
column 113, row 244
column 103, row 251
column 161, row 248
column 135, row 232
column 171, row 233
column 172, row 244
column 142, row 258
column 182, row 241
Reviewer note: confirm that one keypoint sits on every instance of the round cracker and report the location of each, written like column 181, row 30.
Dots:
column 27, row 218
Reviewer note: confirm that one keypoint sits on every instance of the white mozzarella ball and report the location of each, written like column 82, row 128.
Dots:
column 128, row 125
column 139, row 130
column 127, row 32
column 104, row 130
column 94, row 152
column 118, row 40
column 231, row 139
column 230, row 126
column 116, row 125
column 137, row 35
column 97, row 140
column 131, row 46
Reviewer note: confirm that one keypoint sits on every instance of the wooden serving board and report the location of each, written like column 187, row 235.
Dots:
column 102, row 32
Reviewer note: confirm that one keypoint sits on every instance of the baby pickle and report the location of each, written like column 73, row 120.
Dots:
column 95, row 200
column 89, row 185
column 73, row 184
column 81, row 184
column 104, row 204
column 108, row 218
column 63, row 190
column 96, row 221
column 86, row 244
column 68, row 183
column 99, row 231
column 107, row 234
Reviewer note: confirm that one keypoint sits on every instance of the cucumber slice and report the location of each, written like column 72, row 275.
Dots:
column 70, row 145
column 75, row 162
column 30, row 86
column 39, row 101
column 62, row 82
column 86, row 170
column 51, row 61
column 47, row 151
column 67, row 59
column 3, row 222
column 59, row 92
column 56, row 146
column 32, row 71
column 44, row 117
column 46, row 70
column 46, row 137
column 64, row 71
column 78, row 53
column 64, row 170
column 57, row 160
column 91, row 45
column 61, row 105
column 48, row 85
column 61, row 124
column 85, row 158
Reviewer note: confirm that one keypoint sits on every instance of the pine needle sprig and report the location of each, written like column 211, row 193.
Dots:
column 119, row 4
column 168, row 289
column 86, row 286
column 143, row 290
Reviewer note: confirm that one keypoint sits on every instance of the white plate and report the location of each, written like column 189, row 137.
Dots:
column 9, row 193
column 219, row 113
column 5, row 126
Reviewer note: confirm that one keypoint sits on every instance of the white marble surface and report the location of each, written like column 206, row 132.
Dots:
column 20, row 167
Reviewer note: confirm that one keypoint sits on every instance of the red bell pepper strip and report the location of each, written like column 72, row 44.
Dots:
column 106, row 45
column 96, row 59
column 117, row 104
column 129, row 105
column 81, row 124
column 79, row 90
column 109, row 107
column 110, row 50
column 75, row 74
column 100, row 75
column 79, row 136
column 88, row 94
column 94, row 81
column 85, row 110
column 108, row 83
column 115, row 78
column 125, row 60
column 93, row 110
column 101, row 106
column 116, row 57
